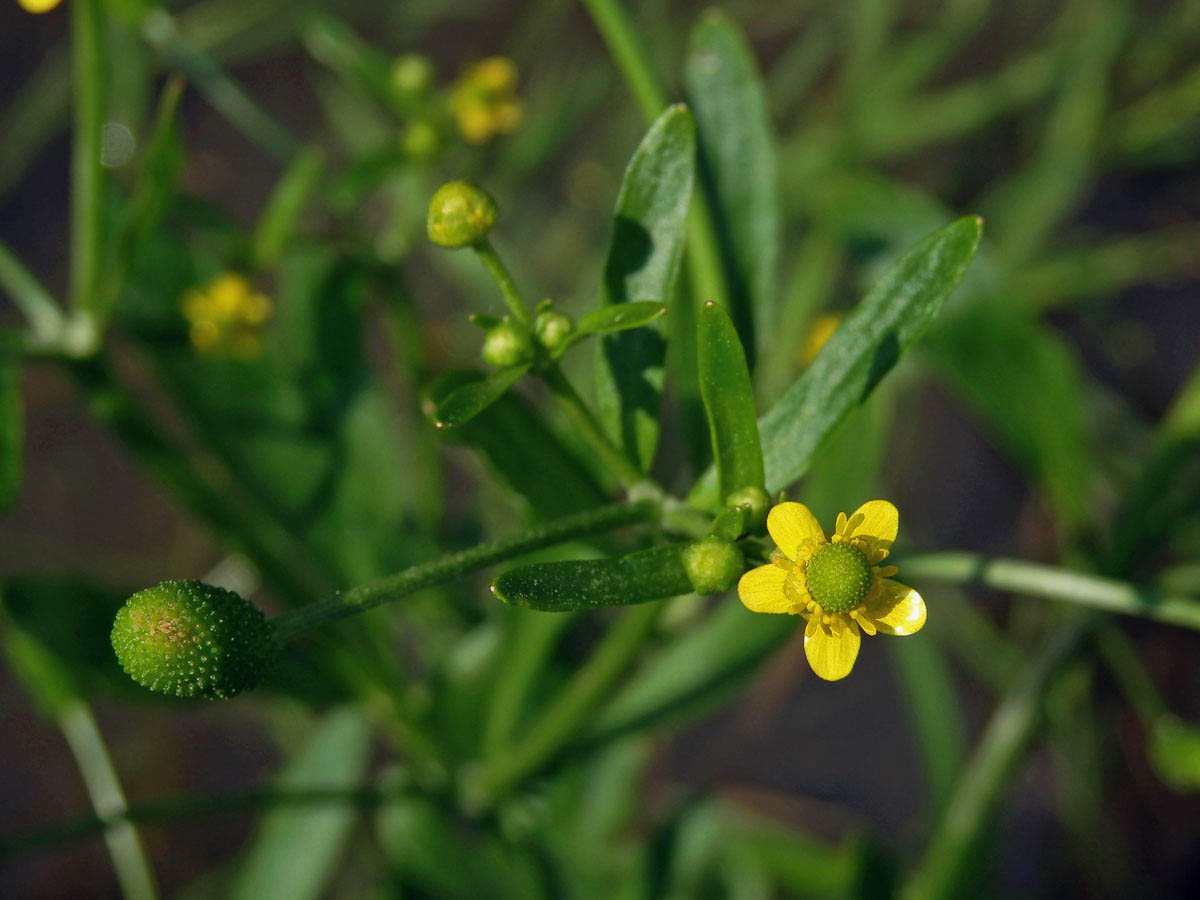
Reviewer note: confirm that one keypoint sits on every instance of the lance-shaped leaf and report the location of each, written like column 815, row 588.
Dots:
column 286, row 204
column 728, row 402
column 12, row 423
column 893, row 315
column 620, row 318
column 468, row 401
column 643, row 260
column 737, row 167
column 520, row 446
column 594, row 583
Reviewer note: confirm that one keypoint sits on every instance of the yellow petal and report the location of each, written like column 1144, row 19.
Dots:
column 761, row 590
column 875, row 518
column 790, row 524
column 896, row 608
column 831, row 650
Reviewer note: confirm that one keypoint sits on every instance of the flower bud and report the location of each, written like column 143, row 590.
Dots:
column 460, row 214
column 412, row 75
column 552, row 329
column 191, row 639
column 713, row 566
column 758, row 502
column 506, row 345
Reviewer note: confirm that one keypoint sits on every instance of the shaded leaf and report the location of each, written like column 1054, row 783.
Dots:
column 295, row 851
column 12, row 424
column 643, row 261
column 738, row 167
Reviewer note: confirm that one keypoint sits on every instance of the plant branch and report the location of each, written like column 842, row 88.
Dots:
column 393, row 587
column 1053, row 583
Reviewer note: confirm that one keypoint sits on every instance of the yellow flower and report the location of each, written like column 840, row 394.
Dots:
column 484, row 99
column 226, row 316
column 820, row 332
column 836, row 584
column 38, row 6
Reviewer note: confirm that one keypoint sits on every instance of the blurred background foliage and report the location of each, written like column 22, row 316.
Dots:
column 274, row 321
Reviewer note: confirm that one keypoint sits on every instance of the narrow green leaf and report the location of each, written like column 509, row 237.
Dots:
column 522, row 448
column 643, row 261
column 12, row 424
column 295, row 852
column 692, row 673
column 284, row 206
column 621, row 317
column 738, row 168
column 593, row 583
column 893, row 315
column 468, row 401
column 1174, row 751
column 728, row 402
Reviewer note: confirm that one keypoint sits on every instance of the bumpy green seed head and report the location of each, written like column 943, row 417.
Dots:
column 838, row 577
column 713, row 566
column 460, row 214
column 758, row 501
column 552, row 329
column 191, row 639
column 506, row 345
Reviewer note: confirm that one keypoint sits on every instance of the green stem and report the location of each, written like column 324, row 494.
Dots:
column 1000, row 749
column 201, row 488
column 87, row 745
column 567, row 715
column 190, row 806
column 87, row 184
column 31, row 297
column 495, row 265
column 590, row 428
column 614, row 26
column 1052, row 583
column 1128, row 670
column 393, row 587
column 162, row 32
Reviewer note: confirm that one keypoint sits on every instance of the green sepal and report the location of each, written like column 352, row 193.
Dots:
column 621, row 317
column 595, row 583
column 728, row 402
column 730, row 523
column 483, row 320
column 468, row 401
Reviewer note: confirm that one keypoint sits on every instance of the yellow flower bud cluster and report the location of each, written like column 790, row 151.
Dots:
column 38, row 6
column 226, row 316
column 484, row 99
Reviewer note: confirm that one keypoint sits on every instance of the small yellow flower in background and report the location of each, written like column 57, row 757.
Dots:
column 836, row 584
column 38, row 6
column 821, row 331
column 484, row 99
column 227, row 316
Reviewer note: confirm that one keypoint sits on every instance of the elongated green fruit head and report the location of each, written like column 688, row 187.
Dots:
column 713, row 566
column 191, row 639
column 460, row 214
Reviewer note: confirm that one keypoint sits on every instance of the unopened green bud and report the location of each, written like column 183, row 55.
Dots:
column 758, row 502
column 460, row 214
column 713, row 566
column 419, row 140
column 506, row 345
column 191, row 639
column 412, row 75
column 552, row 329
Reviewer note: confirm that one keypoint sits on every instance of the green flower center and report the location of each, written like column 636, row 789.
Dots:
column 838, row 577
